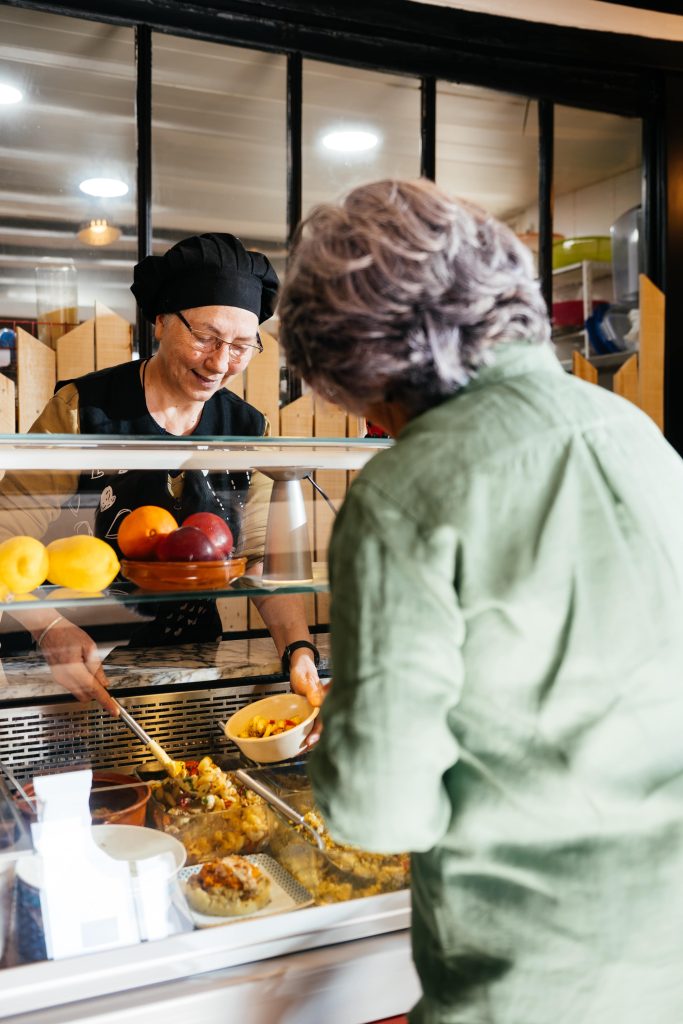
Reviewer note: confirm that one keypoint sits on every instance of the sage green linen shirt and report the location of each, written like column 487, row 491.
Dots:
column 507, row 643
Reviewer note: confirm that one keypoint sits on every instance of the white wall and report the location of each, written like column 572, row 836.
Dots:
column 590, row 210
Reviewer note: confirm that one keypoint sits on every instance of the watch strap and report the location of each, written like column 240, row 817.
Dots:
column 290, row 648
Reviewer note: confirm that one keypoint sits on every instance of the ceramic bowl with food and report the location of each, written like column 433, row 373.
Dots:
column 289, row 718
column 115, row 799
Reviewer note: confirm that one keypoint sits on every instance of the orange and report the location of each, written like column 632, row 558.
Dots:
column 142, row 529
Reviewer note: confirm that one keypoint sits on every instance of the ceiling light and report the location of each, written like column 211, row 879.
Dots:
column 9, row 94
column 350, row 141
column 107, row 188
column 99, row 232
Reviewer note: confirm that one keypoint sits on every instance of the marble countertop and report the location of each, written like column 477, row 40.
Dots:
column 27, row 677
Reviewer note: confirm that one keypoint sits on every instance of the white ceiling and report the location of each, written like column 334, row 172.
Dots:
column 219, row 159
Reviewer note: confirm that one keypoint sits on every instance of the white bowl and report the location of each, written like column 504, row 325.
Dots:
column 273, row 748
column 136, row 842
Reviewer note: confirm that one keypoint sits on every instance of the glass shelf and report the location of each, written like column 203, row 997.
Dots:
column 57, row 486
column 55, row 452
column 123, row 594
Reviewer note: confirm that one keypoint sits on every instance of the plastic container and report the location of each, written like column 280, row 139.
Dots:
column 628, row 255
column 569, row 313
column 584, row 247
column 56, row 300
column 270, row 749
column 243, row 827
column 341, row 872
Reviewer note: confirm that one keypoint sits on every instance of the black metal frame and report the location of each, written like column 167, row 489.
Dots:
column 546, row 154
column 143, row 58
column 622, row 74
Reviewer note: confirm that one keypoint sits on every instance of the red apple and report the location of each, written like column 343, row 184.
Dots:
column 215, row 528
column 187, row 544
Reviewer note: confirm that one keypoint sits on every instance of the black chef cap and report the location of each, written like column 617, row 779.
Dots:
column 205, row 270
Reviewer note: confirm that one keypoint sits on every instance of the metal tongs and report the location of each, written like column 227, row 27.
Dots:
column 155, row 748
column 275, row 801
column 271, row 797
column 11, row 777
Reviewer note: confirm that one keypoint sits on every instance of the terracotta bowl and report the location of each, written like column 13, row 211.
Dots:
column 114, row 807
column 183, row 575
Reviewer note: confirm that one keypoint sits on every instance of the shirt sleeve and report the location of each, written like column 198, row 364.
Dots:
column 29, row 502
column 397, row 634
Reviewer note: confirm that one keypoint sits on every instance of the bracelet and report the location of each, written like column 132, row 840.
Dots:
column 289, row 650
column 47, row 629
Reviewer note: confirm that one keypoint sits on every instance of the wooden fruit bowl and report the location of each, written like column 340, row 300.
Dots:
column 183, row 575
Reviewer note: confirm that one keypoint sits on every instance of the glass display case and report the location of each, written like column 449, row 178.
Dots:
column 96, row 876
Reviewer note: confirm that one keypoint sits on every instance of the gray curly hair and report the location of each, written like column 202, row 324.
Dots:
column 399, row 293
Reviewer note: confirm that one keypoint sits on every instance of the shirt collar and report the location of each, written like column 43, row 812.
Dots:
column 508, row 359
column 514, row 359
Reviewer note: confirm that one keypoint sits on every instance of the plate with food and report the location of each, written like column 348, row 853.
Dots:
column 234, row 887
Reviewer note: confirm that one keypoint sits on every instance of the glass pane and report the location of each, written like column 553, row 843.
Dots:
column 219, row 144
column 487, row 153
column 598, row 251
column 73, row 119
column 371, row 121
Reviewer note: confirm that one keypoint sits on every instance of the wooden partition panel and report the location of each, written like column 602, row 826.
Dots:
column 583, row 369
column 262, row 385
column 113, row 338
column 651, row 360
column 76, row 351
column 625, row 381
column 8, row 411
column 36, row 378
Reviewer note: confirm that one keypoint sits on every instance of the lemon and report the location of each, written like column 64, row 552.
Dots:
column 23, row 564
column 82, row 563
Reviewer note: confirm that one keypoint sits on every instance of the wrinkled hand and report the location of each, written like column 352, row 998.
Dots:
column 304, row 679
column 75, row 665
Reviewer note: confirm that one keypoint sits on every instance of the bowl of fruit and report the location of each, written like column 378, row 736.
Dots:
column 160, row 554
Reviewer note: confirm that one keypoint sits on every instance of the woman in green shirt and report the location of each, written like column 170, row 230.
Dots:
column 507, row 600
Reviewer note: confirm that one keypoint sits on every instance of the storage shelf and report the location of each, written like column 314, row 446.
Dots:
column 599, row 268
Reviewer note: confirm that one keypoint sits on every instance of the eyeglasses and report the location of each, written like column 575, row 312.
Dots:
column 211, row 342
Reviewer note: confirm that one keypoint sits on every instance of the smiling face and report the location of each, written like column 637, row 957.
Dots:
column 190, row 371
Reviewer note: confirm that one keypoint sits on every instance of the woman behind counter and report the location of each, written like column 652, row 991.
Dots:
column 507, row 599
column 206, row 297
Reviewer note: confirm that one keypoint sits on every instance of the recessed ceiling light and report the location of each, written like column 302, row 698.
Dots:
column 9, row 94
column 99, row 232
column 350, row 141
column 107, row 188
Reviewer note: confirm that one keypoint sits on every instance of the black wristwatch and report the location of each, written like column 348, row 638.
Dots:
column 289, row 651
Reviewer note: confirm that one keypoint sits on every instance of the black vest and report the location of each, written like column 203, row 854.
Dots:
column 112, row 402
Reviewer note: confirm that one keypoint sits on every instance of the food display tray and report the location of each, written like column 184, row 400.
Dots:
column 286, row 893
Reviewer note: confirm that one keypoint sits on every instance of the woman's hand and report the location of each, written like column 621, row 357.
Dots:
column 75, row 665
column 304, row 679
